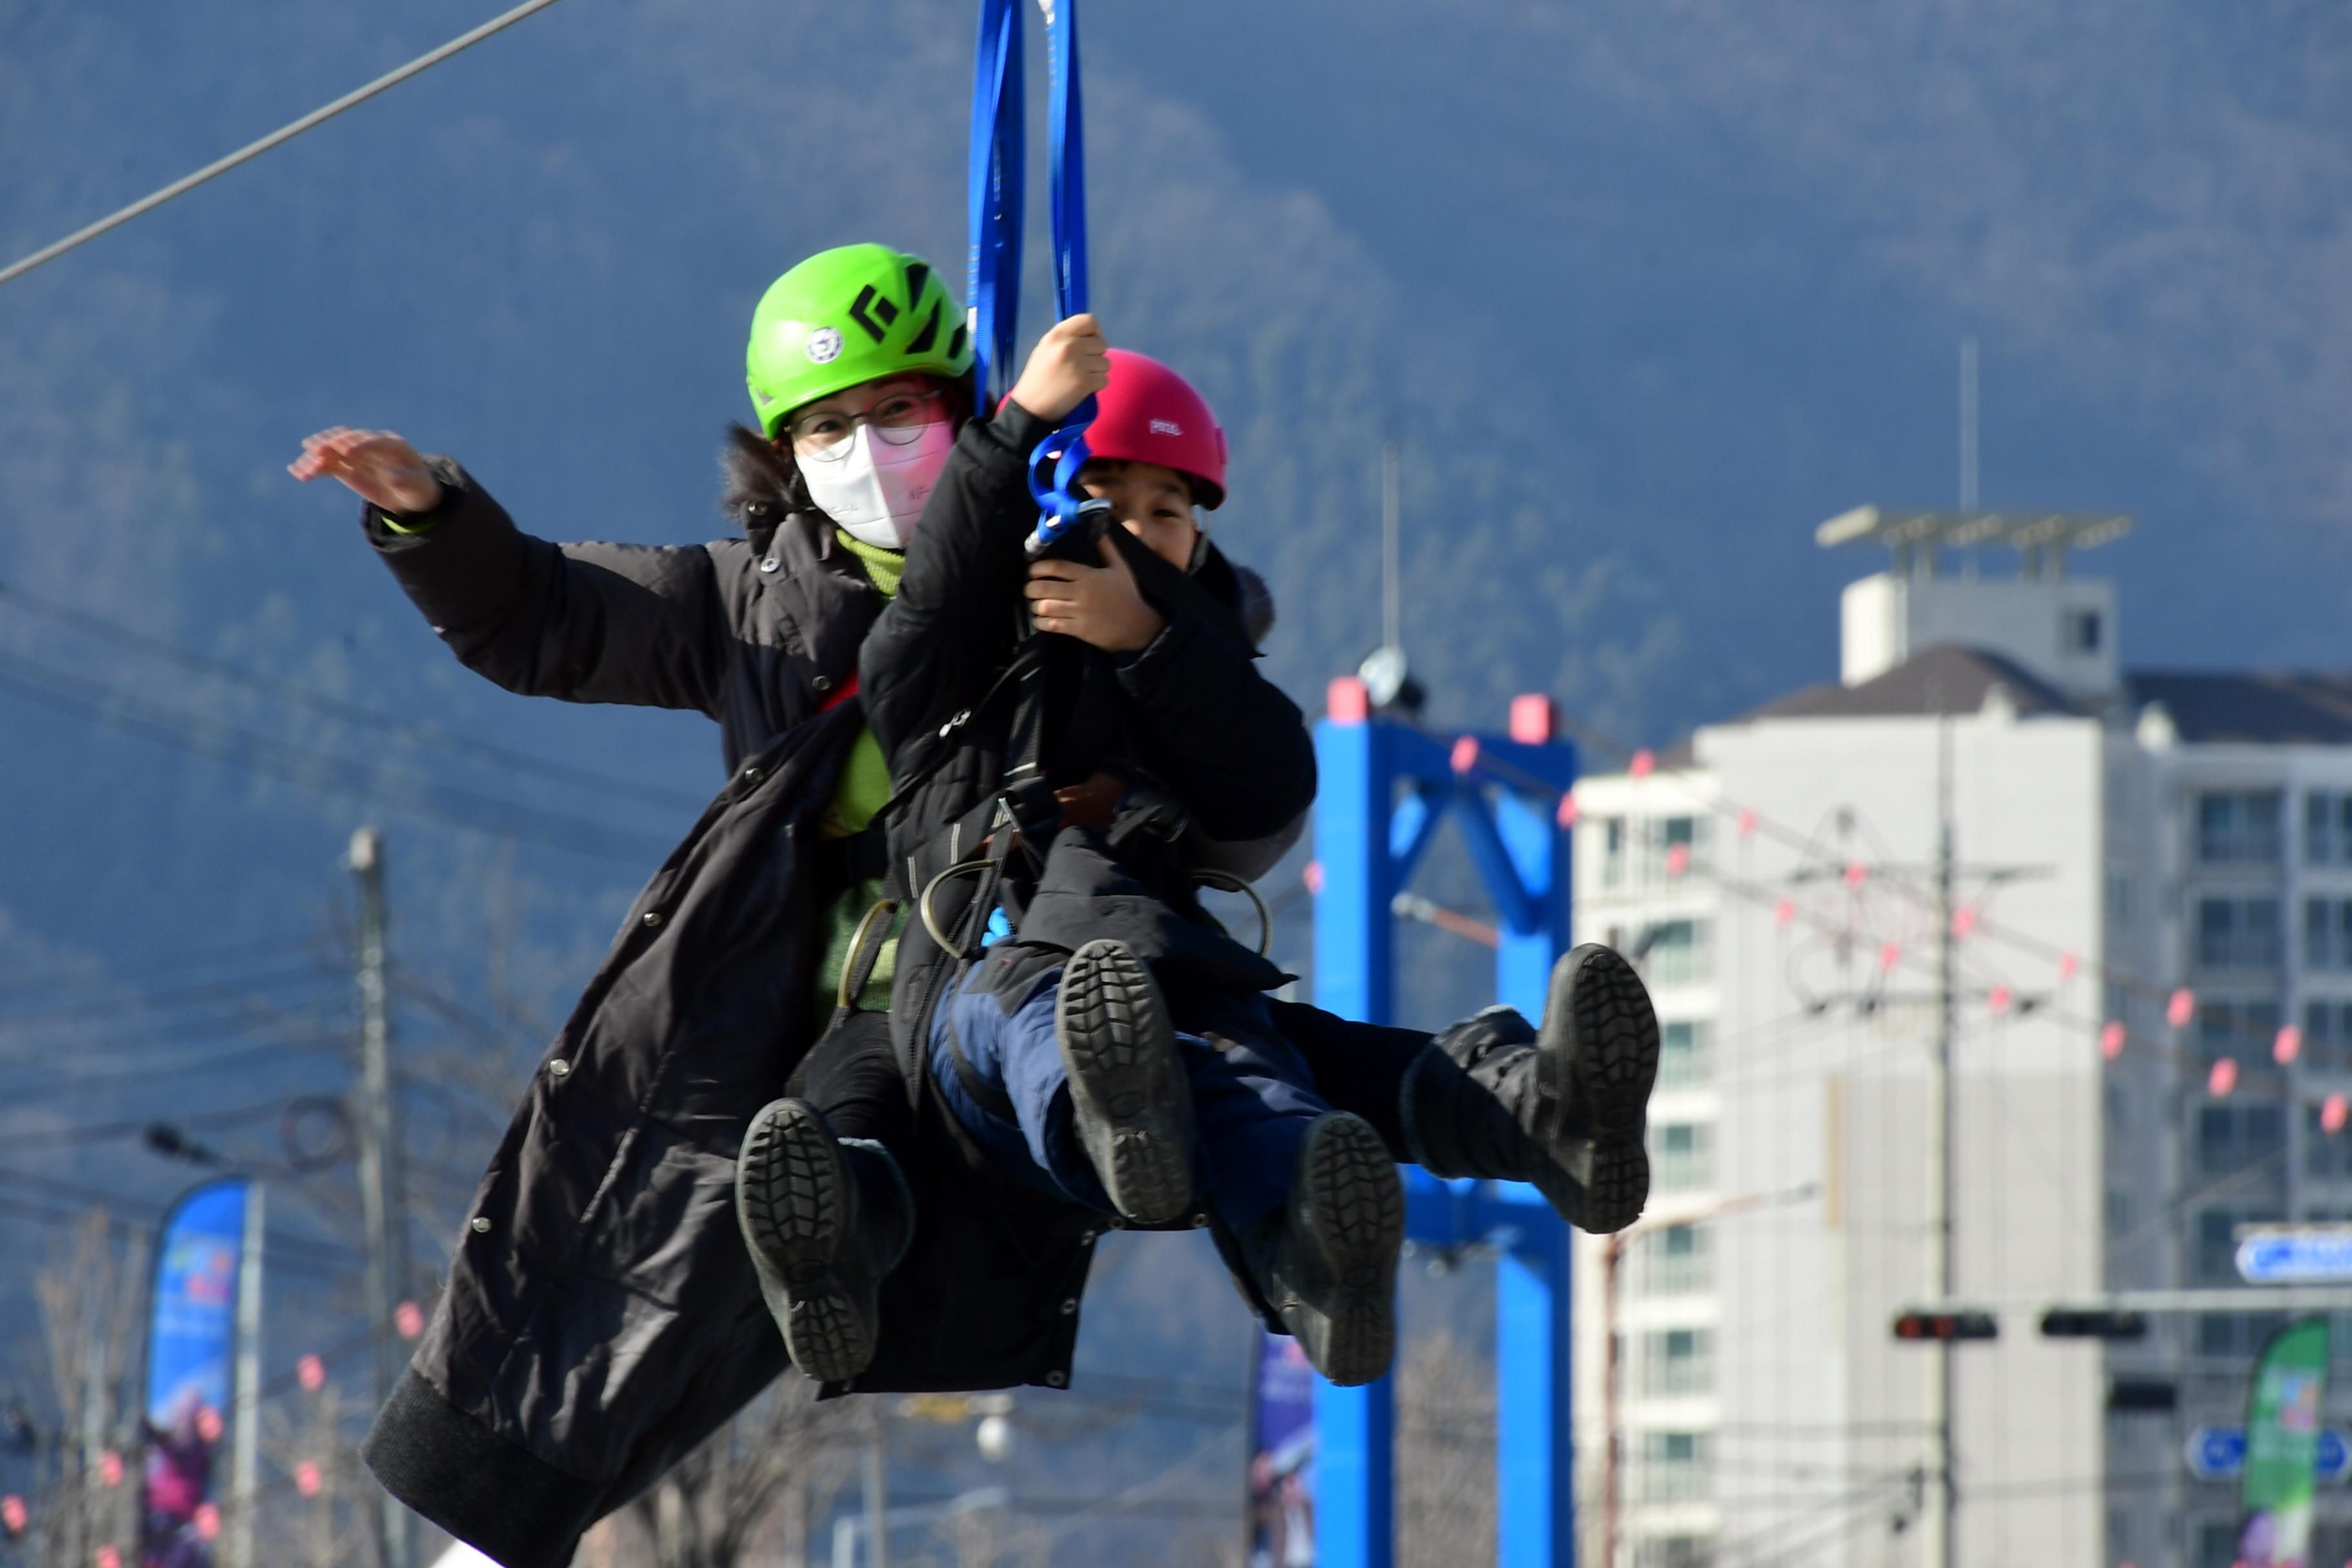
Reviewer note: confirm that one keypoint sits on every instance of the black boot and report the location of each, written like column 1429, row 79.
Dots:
column 1564, row 1108
column 825, row 1221
column 1325, row 1261
column 1131, row 1103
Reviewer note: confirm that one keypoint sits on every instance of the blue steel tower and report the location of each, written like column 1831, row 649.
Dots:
column 1386, row 788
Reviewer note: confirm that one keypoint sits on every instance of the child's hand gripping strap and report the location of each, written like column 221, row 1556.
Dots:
column 1060, row 503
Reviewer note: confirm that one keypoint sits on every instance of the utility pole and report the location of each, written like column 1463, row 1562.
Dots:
column 1942, row 1499
column 244, row 1459
column 379, row 1163
column 1391, row 552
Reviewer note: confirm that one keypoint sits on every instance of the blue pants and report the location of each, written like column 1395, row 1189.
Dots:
column 1252, row 1098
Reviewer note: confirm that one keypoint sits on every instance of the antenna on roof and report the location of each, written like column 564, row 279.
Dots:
column 1969, row 423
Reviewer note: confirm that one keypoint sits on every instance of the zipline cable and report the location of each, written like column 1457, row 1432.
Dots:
column 279, row 137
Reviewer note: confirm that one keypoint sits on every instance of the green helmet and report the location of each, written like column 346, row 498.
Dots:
column 853, row 314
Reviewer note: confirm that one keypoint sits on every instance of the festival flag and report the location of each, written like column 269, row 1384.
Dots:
column 191, row 1342
column 1281, row 1456
column 2283, row 1446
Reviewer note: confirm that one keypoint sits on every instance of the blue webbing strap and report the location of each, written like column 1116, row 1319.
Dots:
column 993, row 276
column 1060, row 502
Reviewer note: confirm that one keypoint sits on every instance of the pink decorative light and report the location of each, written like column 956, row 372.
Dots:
column 1748, row 823
column 1569, row 810
column 1856, row 875
column 1313, row 876
column 2223, row 1078
column 1890, row 955
column 1677, row 859
column 108, row 1557
column 409, row 1318
column 110, row 1468
column 2180, row 1008
column 2111, row 1040
column 209, row 1425
column 1964, row 921
column 208, row 1521
column 1465, row 753
column 306, row 1478
column 1645, row 763
column 1784, row 912
column 1534, row 720
column 2332, row 1113
column 311, row 1373
column 2068, row 966
column 1346, row 701
column 2288, row 1046
column 1998, row 999
column 12, row 1514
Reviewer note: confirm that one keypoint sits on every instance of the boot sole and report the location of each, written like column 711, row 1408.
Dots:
column 1349, row 1209
column 1599, row 1035
column 788, row 1187
column 1133, row 1105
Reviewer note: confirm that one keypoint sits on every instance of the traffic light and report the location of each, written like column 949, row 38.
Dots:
column 2150, row 1395
column 1918, row 1325
column 2092, row 1323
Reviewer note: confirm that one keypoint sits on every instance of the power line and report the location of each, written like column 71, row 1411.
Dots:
column 279, row 137
column 337, row 707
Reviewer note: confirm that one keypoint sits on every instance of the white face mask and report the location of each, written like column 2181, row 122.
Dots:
column 876, row 491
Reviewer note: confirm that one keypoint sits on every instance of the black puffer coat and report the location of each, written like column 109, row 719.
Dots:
column 601, row 1318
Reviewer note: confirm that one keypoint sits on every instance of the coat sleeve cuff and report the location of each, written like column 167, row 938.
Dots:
column 493, row 1494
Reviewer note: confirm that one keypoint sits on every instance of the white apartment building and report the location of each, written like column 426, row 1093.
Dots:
column 2117, row 837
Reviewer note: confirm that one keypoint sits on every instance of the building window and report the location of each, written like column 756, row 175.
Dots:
column 1675, row 1466
column 2235, row 1137
column 1677, row 1261
column 2080, row 631
column 2245, row 1031
column 2238, row 934
column 1682, row 1156
column 2328, row 1033
column 2326, row 1155
column 1673, row 848
column 1683, row 1053
column 2119, row 1213
column 2328, row 935
column 2328, row 828
column 2239, row 827
column 2216, row 1258
column 1675, row 1551
column 2237, row 1336
column 2217, row 1543
column 1679, row 952
column 1677, row 1362
column 1613, row 851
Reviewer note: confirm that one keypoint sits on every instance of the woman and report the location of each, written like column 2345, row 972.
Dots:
column 602, row 1315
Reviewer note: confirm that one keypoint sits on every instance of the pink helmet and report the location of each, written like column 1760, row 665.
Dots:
column 1149, row 414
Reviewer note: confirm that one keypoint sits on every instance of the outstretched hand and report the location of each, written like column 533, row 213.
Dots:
column 1070, row 364
column 1097, row 604
column 377, row 465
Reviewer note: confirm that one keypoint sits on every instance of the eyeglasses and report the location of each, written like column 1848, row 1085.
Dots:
column 898, row 419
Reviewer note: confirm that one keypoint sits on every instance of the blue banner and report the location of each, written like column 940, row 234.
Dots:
column 1282, row 1457
column 191, row 1342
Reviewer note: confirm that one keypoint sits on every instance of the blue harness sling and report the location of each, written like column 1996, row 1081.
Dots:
column 993, row 280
